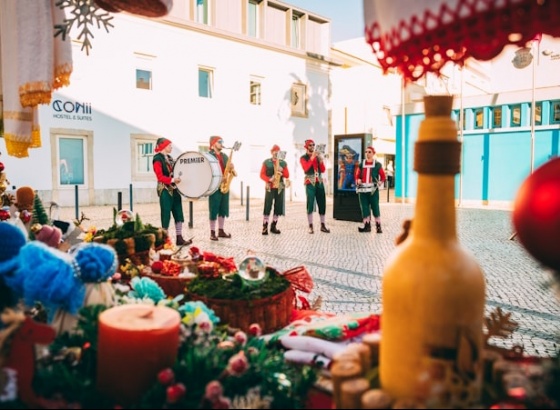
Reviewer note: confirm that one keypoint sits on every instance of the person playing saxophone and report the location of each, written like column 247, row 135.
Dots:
column 274, row 172
column 218, row 202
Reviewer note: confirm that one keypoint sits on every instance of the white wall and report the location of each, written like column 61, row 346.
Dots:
column 106, row 80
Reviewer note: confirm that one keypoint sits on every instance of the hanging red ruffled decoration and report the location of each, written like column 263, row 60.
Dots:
column 425, row 34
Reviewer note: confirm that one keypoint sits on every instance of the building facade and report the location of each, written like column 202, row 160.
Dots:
column 508, row 120
column 256, row 72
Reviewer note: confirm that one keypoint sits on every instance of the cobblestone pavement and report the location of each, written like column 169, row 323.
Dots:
column 347, row 266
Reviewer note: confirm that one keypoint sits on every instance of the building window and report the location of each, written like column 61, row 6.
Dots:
column 296, row 31
column 202, row 11
column 515, row 115
column 497, row 117
column 555, row 112
column 142, row 148
column 255, row 92
column 253, row 18
column 538, row 113
column 71, row 160
column 143, row 79
column 478, row 118
column 144, row 155
column 205, row 80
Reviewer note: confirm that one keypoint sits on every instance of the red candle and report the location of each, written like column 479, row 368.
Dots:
column 135, row 342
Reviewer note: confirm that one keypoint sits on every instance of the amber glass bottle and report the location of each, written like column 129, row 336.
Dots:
column 433, row 289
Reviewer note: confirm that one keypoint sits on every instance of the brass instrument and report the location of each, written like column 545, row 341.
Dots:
column 229, row 172
column 276, row 182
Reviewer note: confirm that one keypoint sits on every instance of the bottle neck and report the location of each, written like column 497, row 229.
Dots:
column 435, row 202
column 435, row 208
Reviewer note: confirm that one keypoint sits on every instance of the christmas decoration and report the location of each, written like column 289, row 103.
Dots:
column 83, row 15
column 536, row 214
column 212, row 367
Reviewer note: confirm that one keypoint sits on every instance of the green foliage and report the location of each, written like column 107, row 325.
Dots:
column 202, row 357
column 39, row 214
column 199, row 363
column 133, row 229
column 143, row 242
column 235, row 289
column 70, row 369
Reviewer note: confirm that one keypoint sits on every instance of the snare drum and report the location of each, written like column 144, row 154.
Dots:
column 200, row 174
column 365, row 188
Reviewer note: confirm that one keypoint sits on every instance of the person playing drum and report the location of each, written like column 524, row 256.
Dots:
column 170, row 201
column 369, row 176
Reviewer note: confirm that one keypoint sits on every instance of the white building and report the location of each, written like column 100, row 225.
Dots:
column 230, row 68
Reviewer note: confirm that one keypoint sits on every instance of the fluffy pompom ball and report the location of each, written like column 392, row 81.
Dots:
column 97, row 262
column 536, row 214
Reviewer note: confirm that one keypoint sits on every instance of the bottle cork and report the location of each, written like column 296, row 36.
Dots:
column 373, row 340
column 340, row 372
column 376, row 399
column 363, row 352
column 351, row 392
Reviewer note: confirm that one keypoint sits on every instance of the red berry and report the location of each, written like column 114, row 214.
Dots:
column 175, row 393
column 157, row 266
column 166, row 376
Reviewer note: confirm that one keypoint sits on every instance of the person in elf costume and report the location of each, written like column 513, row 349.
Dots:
column 313, row 168
column 274, row 172
column 218, row 202
column 370, row 171
column 170, row 201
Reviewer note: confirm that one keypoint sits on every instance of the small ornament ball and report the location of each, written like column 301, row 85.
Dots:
column 536, row 214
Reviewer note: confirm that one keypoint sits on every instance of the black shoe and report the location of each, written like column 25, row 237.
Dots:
column 213, row 236
column 378, row 227
column 310, row 230
column 324, row 229
column 181, row 242
column 222, row 234
column 366, row 228
column 273, row 228
column 265, row 228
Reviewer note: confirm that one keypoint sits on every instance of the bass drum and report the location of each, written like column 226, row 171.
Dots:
column 200, row 174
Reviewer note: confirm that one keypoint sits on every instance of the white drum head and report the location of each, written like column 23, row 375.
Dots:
column 198, row 172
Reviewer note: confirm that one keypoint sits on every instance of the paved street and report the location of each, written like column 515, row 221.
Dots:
column 347, row 266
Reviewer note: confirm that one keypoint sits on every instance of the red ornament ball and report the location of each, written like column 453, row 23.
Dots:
column 1, row 166
column 536, row 214
column 25, row 216
column 157, row 266
column 4, row 215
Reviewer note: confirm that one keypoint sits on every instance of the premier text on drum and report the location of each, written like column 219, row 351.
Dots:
column 191, row 160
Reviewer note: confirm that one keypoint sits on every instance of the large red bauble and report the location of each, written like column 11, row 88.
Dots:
column 536, row 214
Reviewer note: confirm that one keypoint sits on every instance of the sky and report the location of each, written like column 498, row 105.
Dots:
column 347, row 16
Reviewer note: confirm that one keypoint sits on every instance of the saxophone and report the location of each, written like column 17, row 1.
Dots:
column 229, row 172
column 276, row 182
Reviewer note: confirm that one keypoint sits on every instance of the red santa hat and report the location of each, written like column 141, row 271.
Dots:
column 214, row 139
column 275, row 148
column 307, row 142
column 161, row 144
column 371, row 148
